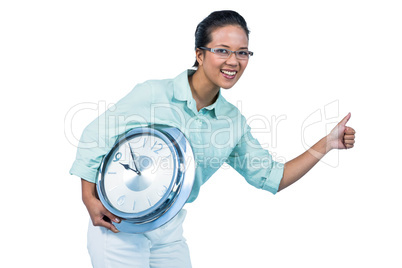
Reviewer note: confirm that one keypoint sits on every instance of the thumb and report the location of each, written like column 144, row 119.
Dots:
column 345, row 119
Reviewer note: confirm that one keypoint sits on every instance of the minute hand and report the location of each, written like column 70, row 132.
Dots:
column 132, row 156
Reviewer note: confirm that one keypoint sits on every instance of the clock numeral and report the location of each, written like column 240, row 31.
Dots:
column 153, row 145
column 149, row 202
column 157, row 150
column 156, row 147
column 117, row 157
column 145, row 141
column 121, row 200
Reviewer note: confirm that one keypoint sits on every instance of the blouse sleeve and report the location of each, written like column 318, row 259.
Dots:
column 100, row 135
column 255, row 164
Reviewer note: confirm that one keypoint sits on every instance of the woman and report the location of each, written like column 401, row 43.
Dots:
column 216, row 130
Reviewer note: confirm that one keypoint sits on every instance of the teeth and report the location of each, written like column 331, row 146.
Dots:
column 228, row 73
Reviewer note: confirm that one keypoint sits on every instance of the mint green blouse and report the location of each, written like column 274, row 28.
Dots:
column 217, row 133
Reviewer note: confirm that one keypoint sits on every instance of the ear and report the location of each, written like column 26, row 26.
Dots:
column 199, row 56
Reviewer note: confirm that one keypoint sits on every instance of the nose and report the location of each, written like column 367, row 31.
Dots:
column 232, row 60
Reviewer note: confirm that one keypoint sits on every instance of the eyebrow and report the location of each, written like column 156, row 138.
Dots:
column 222, row 45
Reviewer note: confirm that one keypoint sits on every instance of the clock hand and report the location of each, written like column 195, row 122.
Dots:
column 127, row 167
column 132, row 156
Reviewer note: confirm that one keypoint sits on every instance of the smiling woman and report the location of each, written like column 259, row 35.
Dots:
column 216, row 130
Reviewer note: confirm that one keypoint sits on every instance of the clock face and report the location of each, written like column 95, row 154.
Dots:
column 139, row 173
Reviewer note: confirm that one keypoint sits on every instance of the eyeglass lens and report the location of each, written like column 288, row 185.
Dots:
column 225, row 53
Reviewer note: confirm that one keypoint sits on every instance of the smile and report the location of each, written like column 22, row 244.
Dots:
column 228, row 74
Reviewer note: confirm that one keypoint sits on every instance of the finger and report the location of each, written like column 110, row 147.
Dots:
column 349, row 142
column 349, row 146
column 345, row 119
column 105, row 222
column 112, row 228
column 349, row 137
column 111, row 216
column 349, row 130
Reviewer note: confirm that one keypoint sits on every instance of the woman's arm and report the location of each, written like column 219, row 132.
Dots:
column 341, row 137
column 95, row 208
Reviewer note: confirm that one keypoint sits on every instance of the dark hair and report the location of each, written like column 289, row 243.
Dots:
column 215, row 20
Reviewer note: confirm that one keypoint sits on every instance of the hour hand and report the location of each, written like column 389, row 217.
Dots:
column 133, row 157
column 127, row 167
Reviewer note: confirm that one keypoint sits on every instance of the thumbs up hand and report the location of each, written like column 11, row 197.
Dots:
column 342, row 136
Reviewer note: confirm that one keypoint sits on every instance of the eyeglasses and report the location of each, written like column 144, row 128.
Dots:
column 224, row 53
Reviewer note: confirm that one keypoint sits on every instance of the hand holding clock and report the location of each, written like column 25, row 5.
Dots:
column 98, row 213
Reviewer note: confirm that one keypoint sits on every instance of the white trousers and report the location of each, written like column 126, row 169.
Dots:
column 164, row 247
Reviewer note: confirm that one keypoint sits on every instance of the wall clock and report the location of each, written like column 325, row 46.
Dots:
column 146, row 178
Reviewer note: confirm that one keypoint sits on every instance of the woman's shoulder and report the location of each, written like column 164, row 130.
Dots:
column 153, row 88
column 229, row 108
column 160, row 85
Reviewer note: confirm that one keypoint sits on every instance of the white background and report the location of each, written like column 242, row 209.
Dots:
column 312, row 59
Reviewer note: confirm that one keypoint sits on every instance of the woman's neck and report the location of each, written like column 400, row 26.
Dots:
column 204, row 93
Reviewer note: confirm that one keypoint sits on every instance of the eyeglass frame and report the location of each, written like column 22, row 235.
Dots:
column 250, row 53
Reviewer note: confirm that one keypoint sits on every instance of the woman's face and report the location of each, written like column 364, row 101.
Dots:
column 224, row 73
